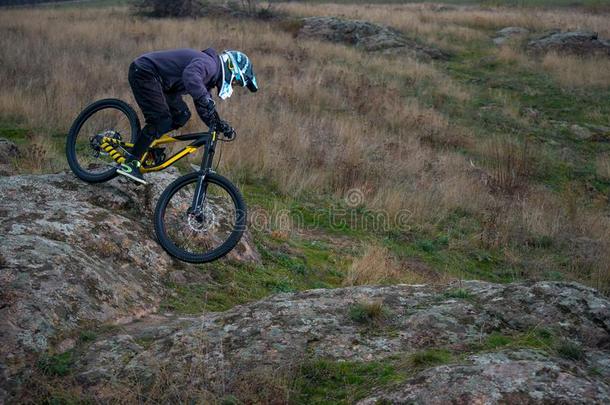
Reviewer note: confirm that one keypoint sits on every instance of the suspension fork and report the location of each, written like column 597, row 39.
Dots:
column 204, row 169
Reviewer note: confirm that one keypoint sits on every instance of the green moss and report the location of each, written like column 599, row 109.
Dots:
column 330, row 382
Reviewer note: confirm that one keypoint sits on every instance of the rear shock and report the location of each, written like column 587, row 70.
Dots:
column 109, row 148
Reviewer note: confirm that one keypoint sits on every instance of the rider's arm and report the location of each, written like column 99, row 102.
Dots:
column 194, row 76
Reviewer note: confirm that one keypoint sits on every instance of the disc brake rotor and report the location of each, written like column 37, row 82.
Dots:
column 202, row 221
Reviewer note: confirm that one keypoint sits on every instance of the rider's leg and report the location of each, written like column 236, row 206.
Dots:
column 149, row 95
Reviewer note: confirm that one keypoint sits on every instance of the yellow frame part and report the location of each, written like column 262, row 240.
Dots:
column 165, row 139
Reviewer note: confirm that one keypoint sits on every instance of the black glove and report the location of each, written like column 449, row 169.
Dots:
column 210, row 117
column 226, row 129
column 207, row 112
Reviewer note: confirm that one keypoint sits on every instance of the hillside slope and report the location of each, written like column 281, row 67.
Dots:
column 74, row 254
column 66, row 271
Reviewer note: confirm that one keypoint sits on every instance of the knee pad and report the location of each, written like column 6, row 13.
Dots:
column 180, row 119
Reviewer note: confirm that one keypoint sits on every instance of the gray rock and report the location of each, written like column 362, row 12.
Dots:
column 600, row 133
column 521, row 377
column 177, row 277
column 210, row 353
column 589, row 132
column 74, row 253
column 507, row 33
column 582, row 43
column 367, row 36
column 581, row 133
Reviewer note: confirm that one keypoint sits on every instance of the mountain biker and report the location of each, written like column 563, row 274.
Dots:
column 158, row 81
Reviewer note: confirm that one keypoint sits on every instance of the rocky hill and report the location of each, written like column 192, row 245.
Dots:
column 64, row 265
column 73, row 254
column 504, row 343
column 76, row 256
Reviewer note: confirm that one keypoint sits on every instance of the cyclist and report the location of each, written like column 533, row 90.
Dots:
column 158, row 81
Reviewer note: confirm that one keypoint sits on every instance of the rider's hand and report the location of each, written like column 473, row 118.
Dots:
column 226, row 129
column 229, row 134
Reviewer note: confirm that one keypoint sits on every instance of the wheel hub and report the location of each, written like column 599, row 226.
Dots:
column 203, row 220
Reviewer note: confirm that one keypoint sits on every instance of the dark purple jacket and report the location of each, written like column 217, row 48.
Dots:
column 185, row 71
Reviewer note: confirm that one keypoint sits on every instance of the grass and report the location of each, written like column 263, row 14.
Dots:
column 570, row 351
column 537, row 338
column 430, row 358
column 356, row 167
column 459, row 293
column 368, row 312
column 589, row 4
column 56, row 365
column 478, row 166
column 331, row 382
column 322, row 381
column 287, row 266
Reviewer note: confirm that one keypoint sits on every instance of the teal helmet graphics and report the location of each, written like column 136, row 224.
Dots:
column 236, row 69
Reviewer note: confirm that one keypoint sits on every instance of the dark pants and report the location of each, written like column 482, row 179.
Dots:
column 162, row 111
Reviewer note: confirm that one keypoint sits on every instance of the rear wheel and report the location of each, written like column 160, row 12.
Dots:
column 205, row 236
column 111, row 118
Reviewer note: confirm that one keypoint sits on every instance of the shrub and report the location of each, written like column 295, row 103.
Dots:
column 368, row 312
column 175, row 8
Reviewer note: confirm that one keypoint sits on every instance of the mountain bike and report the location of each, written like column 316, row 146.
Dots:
column 199, row 217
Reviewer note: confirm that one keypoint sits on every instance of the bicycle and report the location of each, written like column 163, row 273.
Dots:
column 199, row 217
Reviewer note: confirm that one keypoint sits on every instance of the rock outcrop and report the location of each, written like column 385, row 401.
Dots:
column 583, row 43
column 505, row 34
column 367, row 36
column 72, row 254
column 509, row 376
column 217, row 352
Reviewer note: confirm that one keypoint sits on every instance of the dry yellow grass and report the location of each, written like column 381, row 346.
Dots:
column 572, row 71
column 328, row 118
column 378, row 266
column 463, row 23
column 569, row 71
column 510, row 54
column 602, row 166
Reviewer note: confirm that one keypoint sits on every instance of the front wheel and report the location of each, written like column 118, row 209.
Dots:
column 204, row 236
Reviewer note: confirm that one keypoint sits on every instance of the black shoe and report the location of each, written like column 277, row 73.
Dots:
column 131, row 169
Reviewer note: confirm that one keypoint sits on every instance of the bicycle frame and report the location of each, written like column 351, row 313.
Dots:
column 205, row 139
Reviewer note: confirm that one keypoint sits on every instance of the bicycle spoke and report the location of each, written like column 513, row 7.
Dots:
column 203, row 233
column 106, row 122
